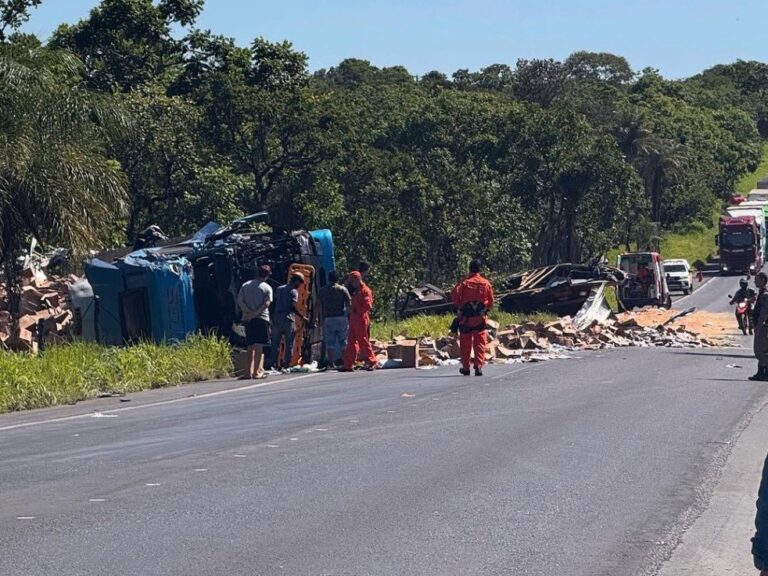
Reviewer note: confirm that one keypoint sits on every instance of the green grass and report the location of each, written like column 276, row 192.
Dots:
column 749, row 182
column 436, row 326
column 71, row 372
column 695, row 245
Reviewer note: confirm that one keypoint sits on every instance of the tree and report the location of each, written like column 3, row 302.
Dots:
column 599, row 66
column 13, row 13
column 126, row 44
column 56, row 182
column 539, row 81
column 170, row 178
column 263, row 119
column 277, row 66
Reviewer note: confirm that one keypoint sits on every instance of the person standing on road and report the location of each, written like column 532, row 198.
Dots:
column 760, row 541
column 359, row 325
column 254, row 300
column 759, row 320
column 473, row 299
column 284, row 325
column 334, row 308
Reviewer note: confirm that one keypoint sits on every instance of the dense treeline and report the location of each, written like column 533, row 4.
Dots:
column 541, row 162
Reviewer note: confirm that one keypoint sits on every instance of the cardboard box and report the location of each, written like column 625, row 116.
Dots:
column 406, row 351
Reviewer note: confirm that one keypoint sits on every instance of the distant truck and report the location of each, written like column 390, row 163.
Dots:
column 741, row 239
column 646, row 283
column 679, row 276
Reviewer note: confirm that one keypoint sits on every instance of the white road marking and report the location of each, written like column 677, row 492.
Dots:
column 273, row 446
column 500, row 376
column 160, row 403
column 97, row 500
column 25, row 517
column 201, row 469
column 322, row 429
column 239, row 455
column 152, row 484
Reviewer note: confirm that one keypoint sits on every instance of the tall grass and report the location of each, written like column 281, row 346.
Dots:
column 695, row 245
column 439, row 325
column 71, row 372
column 749, row 182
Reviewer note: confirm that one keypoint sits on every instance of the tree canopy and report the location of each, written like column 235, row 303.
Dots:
column 532, row 163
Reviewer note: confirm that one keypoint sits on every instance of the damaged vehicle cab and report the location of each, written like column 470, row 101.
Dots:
column 646, row 283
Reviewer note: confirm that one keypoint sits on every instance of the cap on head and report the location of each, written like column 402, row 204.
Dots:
column 474, row 266
column 355, row 275
column 264, row 270
column 297, row 277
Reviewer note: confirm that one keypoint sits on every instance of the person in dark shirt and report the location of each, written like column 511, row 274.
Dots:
column 743, row 293
column 760, row 323
column 284, row 322
column 334, row 310
column 760, row 541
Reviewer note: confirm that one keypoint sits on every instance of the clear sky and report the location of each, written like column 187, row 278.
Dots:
column 679, row 37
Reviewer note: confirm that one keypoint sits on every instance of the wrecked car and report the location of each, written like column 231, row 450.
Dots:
column 426, row 299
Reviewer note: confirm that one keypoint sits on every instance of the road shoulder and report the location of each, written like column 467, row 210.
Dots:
column 718, row 543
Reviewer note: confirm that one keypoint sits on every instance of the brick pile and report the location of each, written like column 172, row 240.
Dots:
column 537, row 341
column 43, row 299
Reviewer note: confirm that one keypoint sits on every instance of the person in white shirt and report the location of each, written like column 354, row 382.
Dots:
column 253, row 300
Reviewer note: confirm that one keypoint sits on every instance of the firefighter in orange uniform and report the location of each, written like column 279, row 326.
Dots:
column 358, row 340
column 473, row 298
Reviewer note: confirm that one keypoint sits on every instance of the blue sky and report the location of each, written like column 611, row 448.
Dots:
column 679, row 37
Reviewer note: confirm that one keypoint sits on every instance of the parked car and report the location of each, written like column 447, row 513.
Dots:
column 679, row 276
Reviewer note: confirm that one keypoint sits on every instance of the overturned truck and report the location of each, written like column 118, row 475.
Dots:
column 166, row 292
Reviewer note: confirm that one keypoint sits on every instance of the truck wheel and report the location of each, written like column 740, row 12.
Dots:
column 668, row 303
column 687, row 292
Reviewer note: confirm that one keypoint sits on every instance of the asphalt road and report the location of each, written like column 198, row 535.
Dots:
column 712, row 295
column 589, row 466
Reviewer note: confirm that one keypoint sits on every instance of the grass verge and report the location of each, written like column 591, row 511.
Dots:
column 749, row 182
column 695, row 245
column 436, row 326
column 68, row 373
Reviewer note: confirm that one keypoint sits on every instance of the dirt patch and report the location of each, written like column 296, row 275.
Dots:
column 719, row 326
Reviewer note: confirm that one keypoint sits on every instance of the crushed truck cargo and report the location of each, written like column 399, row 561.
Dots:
column 562, row 288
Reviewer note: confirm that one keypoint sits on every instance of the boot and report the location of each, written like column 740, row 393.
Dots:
column 478, row 371
column 464, row 371
column 760, row 376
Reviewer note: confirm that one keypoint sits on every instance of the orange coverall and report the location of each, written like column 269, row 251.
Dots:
column 359, row 324
column 472, row 298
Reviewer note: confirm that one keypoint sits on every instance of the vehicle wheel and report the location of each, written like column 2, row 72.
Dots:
column 668, row 303
column 687, row 292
